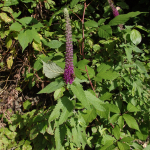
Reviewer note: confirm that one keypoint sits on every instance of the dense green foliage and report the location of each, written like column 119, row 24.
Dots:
column 108, row 105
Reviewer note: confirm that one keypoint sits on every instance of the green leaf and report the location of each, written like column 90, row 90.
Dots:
column 82, row 63
column 128, row 53
column 114, row 118
column 132, row 108
column 35, row 35
column 51, row 70
column 96, row 102
column 66, row 109
column 107, row 139
column 89, row 115
column 54, row 44
column 53, row 86
column 10, row 2
column 127, row 139
column 59, row 93
column 137, row 146
column 27, row 105
column 73, row 3
column 135, row 37
column 147, row 147
column 23, row 39
column 27, row 146
column 116, row 132
column 101, row 21
column 104, row 31
column 33, row 133
column 141, row 66
column 91, row 23
column 123, row 146
column 5, row 18
column 113, row 108
column 131, row 122
column 56, row 111
column 121, row 19
column 16, row 26
column 79, row 93
column 106, row 96
column 120, row 122
column 57, row 137
column 37, row 65
column 27, row 20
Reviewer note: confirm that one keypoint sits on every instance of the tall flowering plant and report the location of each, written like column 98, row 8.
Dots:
column 69, row 68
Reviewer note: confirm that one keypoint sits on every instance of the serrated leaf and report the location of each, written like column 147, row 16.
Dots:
column 140, row 66
column 101, row 21
column 114, row 118
column 59, row 93
column 132, row 108
column 106, row 96
column 27, row 105
column 51, row 70
column 33, row 133
column 120, row 122
column 73, row 3
column 79, row 93
column 57, row 136
column 89, row 115
column 128, row 53
column 66, row 109
column 104, row 31
column 116, row 132
column 56, row 111
column 135, row 37
column 131, row 122
column 16, row 26
column 91, row 23
column 97, row 103
column 123, row 146
column 53, row 86
column 113, row 108
column 54, row 44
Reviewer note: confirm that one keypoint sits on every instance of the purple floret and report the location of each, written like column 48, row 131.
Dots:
column 69, row 68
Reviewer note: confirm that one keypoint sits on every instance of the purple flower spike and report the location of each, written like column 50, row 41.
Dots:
column 69, row 68
column 115, row 11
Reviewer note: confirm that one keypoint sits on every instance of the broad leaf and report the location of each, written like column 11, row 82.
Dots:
column 121, row 19
column 97, row 103
column 123, row 146
column 54, row 44
column 16, row 26
column 91, row 23
column 66, row 109
column 135, row 37
column 104, row 31
column 53, row 86
column 79, row 93
column 51, row 70
column 56, row 111
column 73, row 3
column 131, row 122
column 132, row 108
